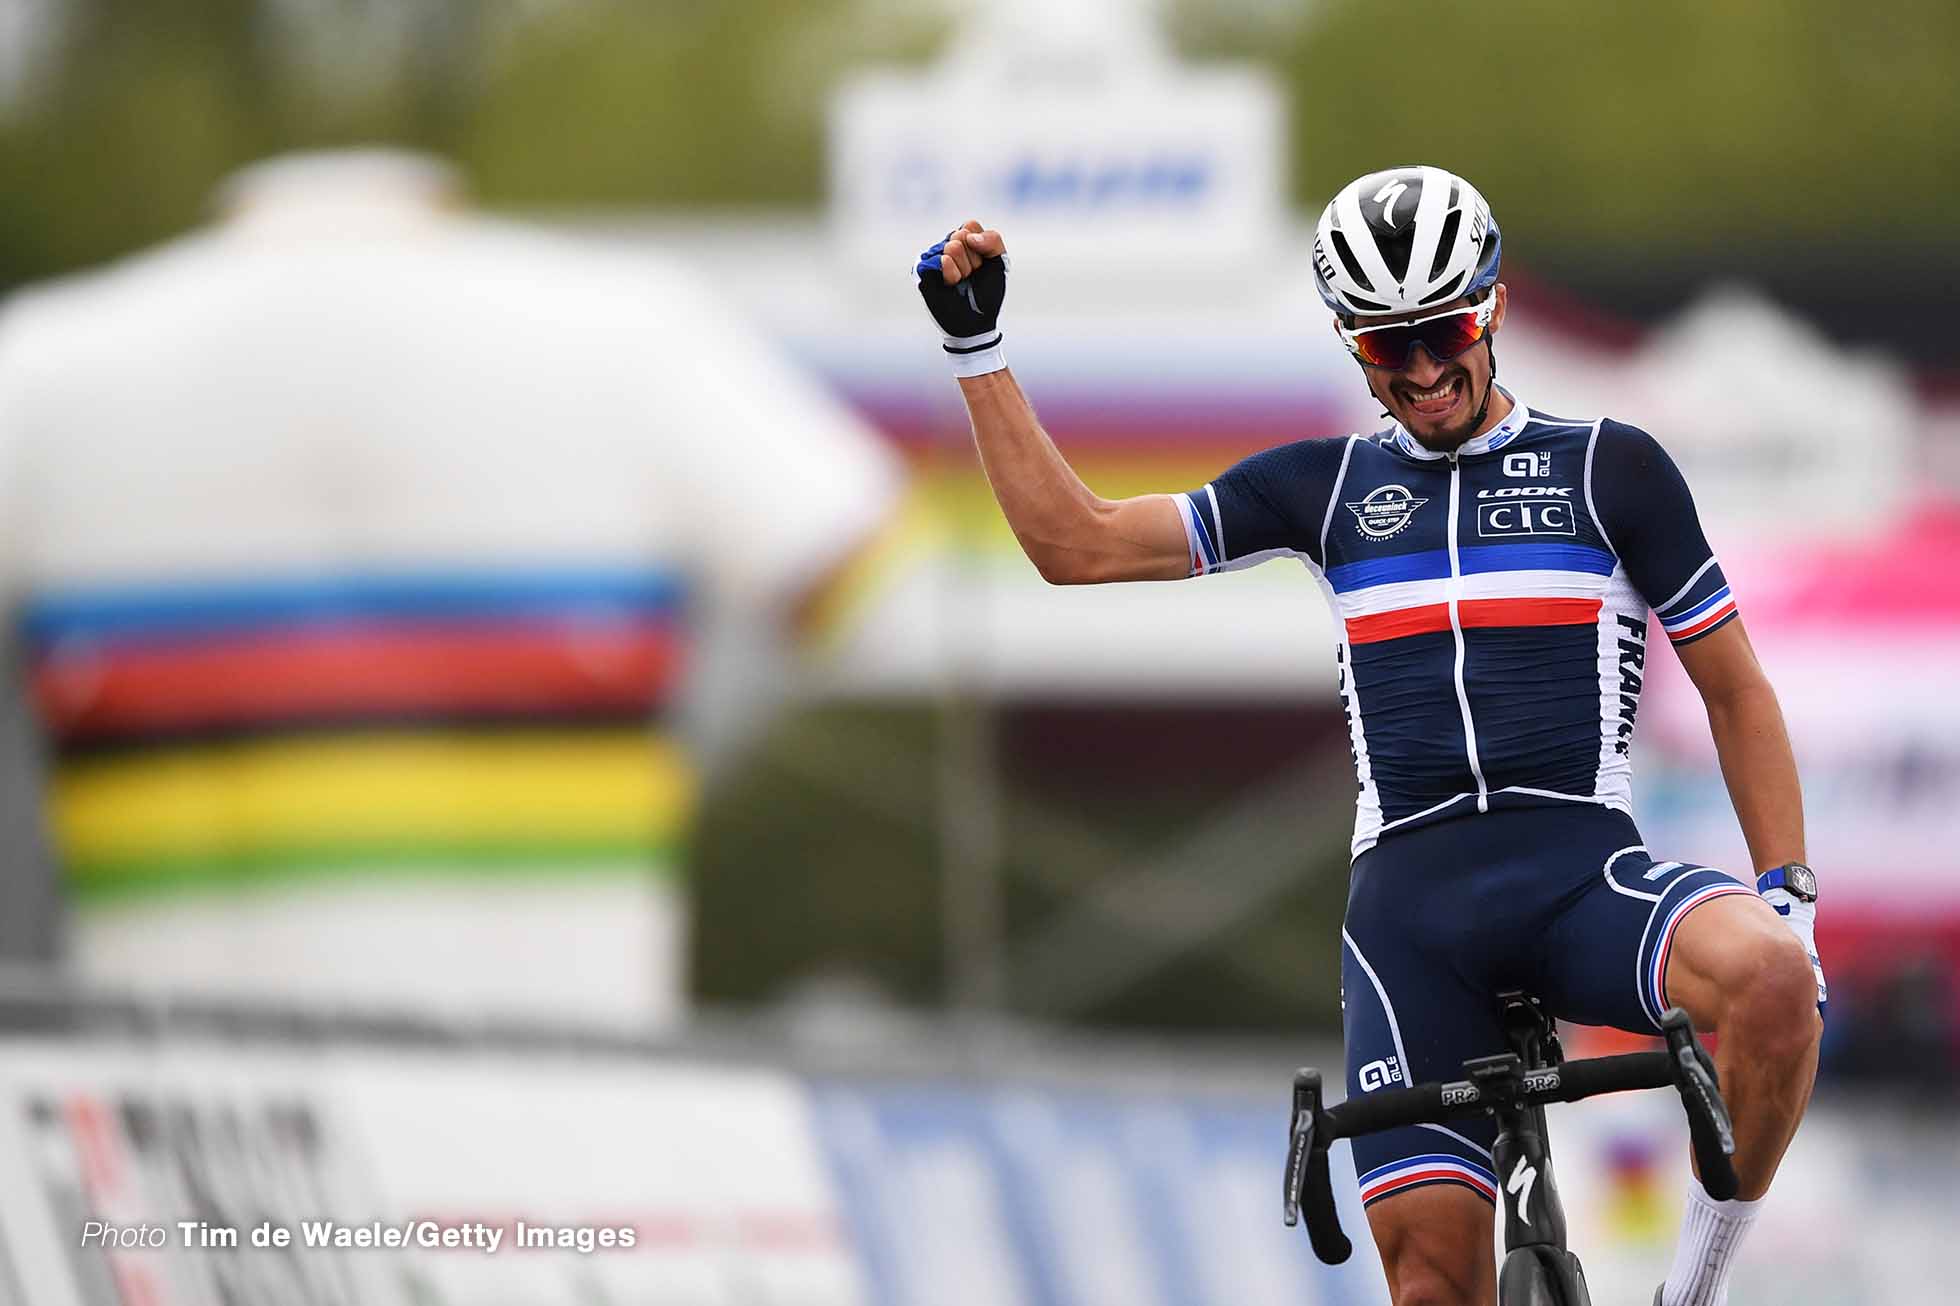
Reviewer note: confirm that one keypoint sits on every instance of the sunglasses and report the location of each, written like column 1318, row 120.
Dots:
column 1444, row 335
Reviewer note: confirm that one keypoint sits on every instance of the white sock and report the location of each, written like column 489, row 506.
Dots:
column 1711, row 1232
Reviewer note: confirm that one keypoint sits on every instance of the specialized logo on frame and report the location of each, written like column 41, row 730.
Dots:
column 1523, row 1176
column 1385, row 511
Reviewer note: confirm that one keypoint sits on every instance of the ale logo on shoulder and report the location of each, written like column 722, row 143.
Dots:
column 1385, row 511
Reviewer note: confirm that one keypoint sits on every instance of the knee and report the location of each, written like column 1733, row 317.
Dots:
column 1772, row 1005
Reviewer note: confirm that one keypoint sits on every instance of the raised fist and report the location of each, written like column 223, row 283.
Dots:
column 963, row 280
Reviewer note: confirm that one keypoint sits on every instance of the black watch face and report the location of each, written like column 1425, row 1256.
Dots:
column 1801, row 881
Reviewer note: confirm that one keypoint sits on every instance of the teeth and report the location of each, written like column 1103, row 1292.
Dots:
column 1430, row 396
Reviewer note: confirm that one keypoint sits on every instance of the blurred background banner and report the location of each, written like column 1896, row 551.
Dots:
column 488, row 540
column 1005, row 1172
column 1077, row 126
column 361, row 547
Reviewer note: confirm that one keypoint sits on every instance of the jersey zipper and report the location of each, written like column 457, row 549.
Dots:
column 1456, row 629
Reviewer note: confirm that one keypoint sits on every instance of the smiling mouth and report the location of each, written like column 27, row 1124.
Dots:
column 1438, row 401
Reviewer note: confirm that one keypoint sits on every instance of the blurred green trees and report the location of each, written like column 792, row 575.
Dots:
column 1666, row 124
column 123, row 115
column 1680, row 127
column 1638, row 152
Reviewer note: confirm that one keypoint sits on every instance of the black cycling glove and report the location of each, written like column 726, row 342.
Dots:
column 968, row 313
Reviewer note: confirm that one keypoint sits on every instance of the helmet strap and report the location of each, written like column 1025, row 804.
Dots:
column 1491, row 344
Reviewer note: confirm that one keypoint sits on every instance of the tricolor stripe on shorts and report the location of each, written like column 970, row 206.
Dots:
column 1429, row 1168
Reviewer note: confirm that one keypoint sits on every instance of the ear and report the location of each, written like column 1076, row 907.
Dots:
column 1503, row 294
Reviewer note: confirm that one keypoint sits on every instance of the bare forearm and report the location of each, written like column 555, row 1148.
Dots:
column 1042, row 498
column 1069, row 533
column 1761, row 773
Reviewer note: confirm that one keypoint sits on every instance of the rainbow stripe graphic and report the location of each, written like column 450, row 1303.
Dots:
column 234, row 732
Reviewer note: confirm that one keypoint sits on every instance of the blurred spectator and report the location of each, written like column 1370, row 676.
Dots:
column 357, row 546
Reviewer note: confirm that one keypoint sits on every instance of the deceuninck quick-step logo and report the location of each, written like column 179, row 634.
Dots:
column 1385, row 511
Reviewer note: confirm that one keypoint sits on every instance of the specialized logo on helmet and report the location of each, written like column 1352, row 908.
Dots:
column 1322, row 262
column 1387, row 196
column 1385, row 512
column 1373, row 267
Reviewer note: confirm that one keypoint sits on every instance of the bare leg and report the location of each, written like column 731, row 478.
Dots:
column 1737, row 969
column 1435, row 1245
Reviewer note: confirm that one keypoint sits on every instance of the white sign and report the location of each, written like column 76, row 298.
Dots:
column 191, row 1175
column 1067, row 134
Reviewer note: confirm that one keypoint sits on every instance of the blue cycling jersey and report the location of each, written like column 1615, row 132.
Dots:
column 1492, row 602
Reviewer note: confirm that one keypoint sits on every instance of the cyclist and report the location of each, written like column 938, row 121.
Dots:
column 1492, row 568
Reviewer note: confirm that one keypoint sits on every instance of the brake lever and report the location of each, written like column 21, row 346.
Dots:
column 1694, row 1075
column 1709, row 1124
column 1308, row 1185
column 1299, row 1141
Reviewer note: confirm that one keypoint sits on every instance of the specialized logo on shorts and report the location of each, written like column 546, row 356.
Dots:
column 1379, row 1074
column 1385, row 511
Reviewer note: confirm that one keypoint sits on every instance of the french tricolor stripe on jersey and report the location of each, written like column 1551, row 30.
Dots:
column 1703, row 617
column 1200, row 534
column 1657, row 975
column 1472, row 613
column 1430, row 1168
column 1497, row 586
column 1472, row 560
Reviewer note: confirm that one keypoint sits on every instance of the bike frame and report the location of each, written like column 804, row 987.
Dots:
column 1538, row 1269
column 1535, row 1255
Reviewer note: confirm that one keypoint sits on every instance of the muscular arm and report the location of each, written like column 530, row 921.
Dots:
column 1651, row 522
column 1071, row 536
column 1751, row 742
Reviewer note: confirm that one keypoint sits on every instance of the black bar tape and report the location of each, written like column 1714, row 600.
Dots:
column 1330, row 1244
column 1619, row 1074
column 1389, row 1109
column 1717, row 1170
column 1431, row 1103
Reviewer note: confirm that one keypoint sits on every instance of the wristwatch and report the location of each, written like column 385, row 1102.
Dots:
column 1794, row 877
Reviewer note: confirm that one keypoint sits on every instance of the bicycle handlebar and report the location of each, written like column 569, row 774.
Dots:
column 1684, row 1064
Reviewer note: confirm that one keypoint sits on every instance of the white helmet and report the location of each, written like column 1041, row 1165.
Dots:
column 1404, row 239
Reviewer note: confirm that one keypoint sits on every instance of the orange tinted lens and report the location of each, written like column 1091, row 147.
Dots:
column 1443, row 337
